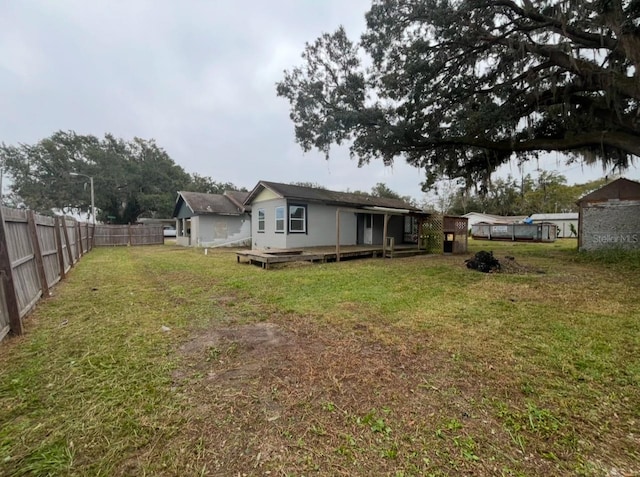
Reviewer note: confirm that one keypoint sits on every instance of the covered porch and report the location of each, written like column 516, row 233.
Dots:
column 422, row 234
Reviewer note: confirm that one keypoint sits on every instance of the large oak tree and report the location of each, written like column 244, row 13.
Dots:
column 460, row 87
column 131, row 178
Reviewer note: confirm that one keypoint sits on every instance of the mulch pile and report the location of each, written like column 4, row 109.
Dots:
column 485, row 262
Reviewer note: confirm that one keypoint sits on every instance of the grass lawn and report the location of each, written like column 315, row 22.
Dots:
column 165, row 361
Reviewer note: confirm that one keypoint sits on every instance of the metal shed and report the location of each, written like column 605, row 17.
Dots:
column 610, row 217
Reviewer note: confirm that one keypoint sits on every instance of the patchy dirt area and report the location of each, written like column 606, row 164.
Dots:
column 288, row 398
column 509, row 264
column 238, row 353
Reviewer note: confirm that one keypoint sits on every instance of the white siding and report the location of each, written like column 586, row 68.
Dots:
column 269, row 238
column 321, row 226
column 562, row 221
column 563, row 226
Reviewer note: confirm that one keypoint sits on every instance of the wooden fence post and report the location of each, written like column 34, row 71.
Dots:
column 37, row 252
column 15, row 322
column 78, row 232
column 66, row 239
column 63, row 274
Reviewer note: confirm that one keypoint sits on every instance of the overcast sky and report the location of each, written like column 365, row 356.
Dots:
column 198, row 76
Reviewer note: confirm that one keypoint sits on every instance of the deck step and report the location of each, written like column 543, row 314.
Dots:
column 405, row 253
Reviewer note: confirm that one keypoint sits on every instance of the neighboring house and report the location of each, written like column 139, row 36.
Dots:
column 610, row 217
column 563, row 222
column 289, row 216
column 207, row 220
column 478, row 218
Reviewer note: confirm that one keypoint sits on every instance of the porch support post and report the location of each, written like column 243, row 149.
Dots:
column 384, row 235
column 337, row 235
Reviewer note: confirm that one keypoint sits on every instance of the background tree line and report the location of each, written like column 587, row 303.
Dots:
column 547, row 193
column 137, row 178
column 132, row 179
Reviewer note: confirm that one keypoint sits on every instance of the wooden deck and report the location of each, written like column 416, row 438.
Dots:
column 265, row 258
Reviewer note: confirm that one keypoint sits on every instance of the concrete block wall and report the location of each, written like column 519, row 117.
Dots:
column 612, row 224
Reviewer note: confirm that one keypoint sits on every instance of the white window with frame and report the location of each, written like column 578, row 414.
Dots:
column 297, row 219
column 261, row 222
column 280, row 220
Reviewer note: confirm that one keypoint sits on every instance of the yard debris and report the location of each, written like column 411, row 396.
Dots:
column 483, row 262
column 165, row 328
column 511, row 266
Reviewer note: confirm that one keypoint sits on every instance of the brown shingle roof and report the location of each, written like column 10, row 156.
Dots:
column 237, row 197
column 621, row 189
column 229, row 203
column 313, row 194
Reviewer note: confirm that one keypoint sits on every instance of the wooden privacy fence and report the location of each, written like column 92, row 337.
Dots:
column 114, row 235
column 36, row 252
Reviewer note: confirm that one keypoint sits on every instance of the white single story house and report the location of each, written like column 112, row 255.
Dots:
column 610, row 217
column 286, row 216
column 212, row 220
column 479, row 217
column 562, row 221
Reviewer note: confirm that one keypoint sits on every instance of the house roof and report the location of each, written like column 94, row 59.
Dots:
column 620, row 189
column 491, row 218
column 560, row 216
column 312, row 194
column 229, row 203
column 238, row 198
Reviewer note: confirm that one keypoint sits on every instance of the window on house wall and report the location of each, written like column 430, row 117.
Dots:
column 297, row 219
column 280, row 219
column 260, row 220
